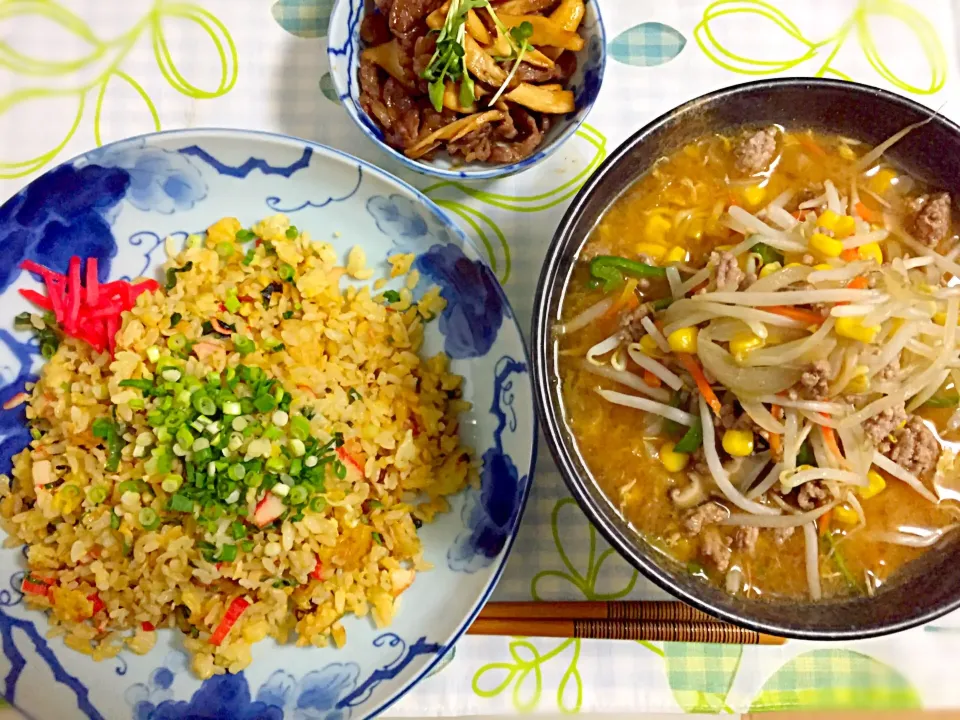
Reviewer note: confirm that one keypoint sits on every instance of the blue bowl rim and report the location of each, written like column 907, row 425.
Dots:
column 483, row 173
column 341, row 156
column 632, row 548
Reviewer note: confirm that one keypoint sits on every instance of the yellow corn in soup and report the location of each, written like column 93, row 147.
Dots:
column 758, row 357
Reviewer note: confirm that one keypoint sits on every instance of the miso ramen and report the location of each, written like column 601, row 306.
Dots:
column 759, row 362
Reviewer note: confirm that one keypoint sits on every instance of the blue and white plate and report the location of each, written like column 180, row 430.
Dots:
column 119, row 203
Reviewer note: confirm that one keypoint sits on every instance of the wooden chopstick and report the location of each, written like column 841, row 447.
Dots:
column 626, row 620
column 622, row 630
column 643, row 610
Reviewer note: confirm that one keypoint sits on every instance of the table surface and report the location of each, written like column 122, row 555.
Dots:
column 262, row 64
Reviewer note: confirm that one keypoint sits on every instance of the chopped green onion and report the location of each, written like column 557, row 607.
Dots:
column 280, row 418
column 114, row 521
column 297, row 448
column 232, row 303
column 318, row 504
column 253, row 479
column 286, row 272
column 237, row 472
column 177, row 342
column 298, row 495
column 138, row 384
column 171, row 483
column 353, row 396
column 175, row 319
column 231, row 408
column 244, row 235
column 264, row 403
column 149, row 519
column 243, row 345
column 204, row 404
column 246, row 546
column 185, row 438
column 292, row 232
column 228, row 553
column 97, row 494
column 377, row 538
column 224, row 250
column 391, row 296
column 340, row 469
column 248, row 258
column 170, row 374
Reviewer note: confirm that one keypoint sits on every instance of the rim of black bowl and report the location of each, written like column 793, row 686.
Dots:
column 591, row 499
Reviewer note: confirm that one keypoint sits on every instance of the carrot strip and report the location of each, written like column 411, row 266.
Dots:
column 774, row 438
column 626, row 301
column 652, row 380
column 805, row 316
column 830, row 439
column 823, row 523
column 866, row 213
column 693, row 367
column 811, row 146
column 849, row 255
column 858, row 283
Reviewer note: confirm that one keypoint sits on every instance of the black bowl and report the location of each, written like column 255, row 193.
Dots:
column 924, row 589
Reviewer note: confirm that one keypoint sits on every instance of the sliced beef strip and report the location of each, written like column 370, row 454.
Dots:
column 563, row 69
column 915, row 447
column 816, row 380
column 375, row 30
column 932, row 220
column 474, row 146
column 754, row 153
column 880, row 426
column 709, row 513
column 406, row 15
column 405, row 114
column 530, row 133
column 716, row 547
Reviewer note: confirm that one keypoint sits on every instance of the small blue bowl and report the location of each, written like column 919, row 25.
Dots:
column 344, row 46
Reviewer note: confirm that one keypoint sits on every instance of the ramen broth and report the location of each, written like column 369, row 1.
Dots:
column 680, row 215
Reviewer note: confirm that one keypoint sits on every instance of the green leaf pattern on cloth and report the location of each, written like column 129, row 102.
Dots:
column 303, row 18
column 701, row 675
column 524, row 676
column 836, row 679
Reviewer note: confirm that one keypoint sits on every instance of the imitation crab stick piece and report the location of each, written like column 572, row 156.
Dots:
column 693, row 367
column 237, row 607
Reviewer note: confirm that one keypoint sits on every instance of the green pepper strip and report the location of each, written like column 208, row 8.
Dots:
column 610, row 269
column 943, row 401
column 767, row 253
column 841, row 563
column 693, row 438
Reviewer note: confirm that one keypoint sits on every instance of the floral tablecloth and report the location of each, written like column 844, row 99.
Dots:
column 77, row 73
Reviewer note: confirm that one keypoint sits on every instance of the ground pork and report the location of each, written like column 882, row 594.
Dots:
column 729, row 274
column 781, row 535
column 889, row 371
column 754, row 152
column 880, row 426
column 716, row 548
column 707, row 514
column 729, row 419
column 914, row 447
column 746, row 539
column 631, row 323
column 816, row 380
column 812, row 494
column 594, row 249
column 932, row 220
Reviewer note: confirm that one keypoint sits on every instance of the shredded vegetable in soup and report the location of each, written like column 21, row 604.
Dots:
column 759, row 360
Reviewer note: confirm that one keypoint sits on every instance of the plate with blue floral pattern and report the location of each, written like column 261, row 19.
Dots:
column 118, row 203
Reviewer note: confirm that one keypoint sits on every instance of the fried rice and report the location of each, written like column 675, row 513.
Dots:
column 115, row 555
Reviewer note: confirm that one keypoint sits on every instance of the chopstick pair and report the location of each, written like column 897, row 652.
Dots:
column 627, row 620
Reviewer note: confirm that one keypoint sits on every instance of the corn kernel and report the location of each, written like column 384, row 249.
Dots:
column 657, row 229
column 846, row 152
column 695, row 229
column 676, row 255
column 846, row 226
column 770, row 268
column 793, row 264
column 823, row 266
column 876, row 486
column 650, row 347
column 871, row 251
column 845, row 515
column 738, row 443
column 860, row 383
column 826, row 245
column 754, row 195
column 882, row 181
column 654, row 250
column 853, row 328
column 744, row 343
column 683, row 340
column 671, row 460
column 839, row 225
column 828, row 219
